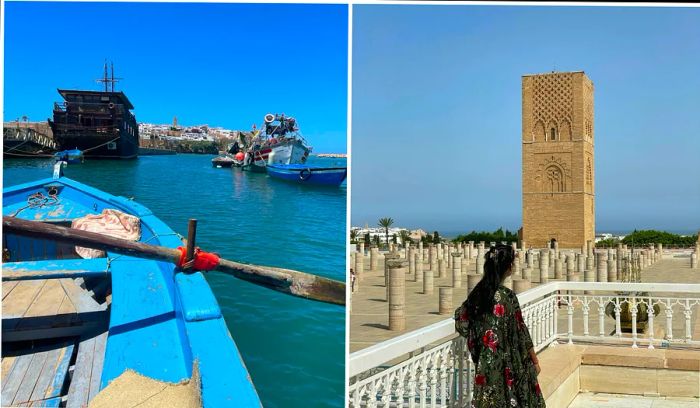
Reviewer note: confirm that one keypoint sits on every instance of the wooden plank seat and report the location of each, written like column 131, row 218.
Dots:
column 85, row 381
column 53, row 269
column 49, row 308
column 37, row 377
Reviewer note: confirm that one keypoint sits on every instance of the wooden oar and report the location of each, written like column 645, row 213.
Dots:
column 286, row 281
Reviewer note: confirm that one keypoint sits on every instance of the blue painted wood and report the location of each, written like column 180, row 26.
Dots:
column 196, row 297
column 52, row 269
column 30, row 377
column 56, row 386
column 158, row 324
column 225, row 379
column 14, row 379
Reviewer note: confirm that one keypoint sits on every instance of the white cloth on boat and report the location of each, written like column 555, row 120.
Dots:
column 112, row 223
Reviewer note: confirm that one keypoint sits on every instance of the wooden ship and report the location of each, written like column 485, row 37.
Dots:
column 99, row 123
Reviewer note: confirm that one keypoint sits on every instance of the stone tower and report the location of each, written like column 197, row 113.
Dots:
column 558, row 172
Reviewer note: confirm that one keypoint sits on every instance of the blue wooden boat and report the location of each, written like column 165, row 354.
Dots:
column 305, row 174
column 74, row 156
column 70, row 325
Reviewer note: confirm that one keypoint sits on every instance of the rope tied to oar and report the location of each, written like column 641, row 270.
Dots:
column 201, row 261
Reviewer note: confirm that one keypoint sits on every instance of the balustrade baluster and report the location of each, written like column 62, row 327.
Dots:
column 687, row 312
column 400, row 388
column 460, row 373
column 570, row 313
column 422, row 384
column 650, row 322
column 412, row 385
column 601, row 316
column 618, row 329
column 669, row 319
column 633, row 308
column 444, row 360
column 585, row 307
column 433, row 381
column 555, row 318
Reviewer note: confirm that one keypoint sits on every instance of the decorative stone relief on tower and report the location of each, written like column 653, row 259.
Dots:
column 553, row 175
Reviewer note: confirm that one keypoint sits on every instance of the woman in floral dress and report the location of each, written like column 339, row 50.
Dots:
column 498, row 340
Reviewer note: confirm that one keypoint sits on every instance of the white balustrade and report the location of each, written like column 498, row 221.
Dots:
column 431, row 366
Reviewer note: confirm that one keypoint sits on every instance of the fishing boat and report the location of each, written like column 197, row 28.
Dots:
column 73, row 156
column 74, row 323
column 278, row 142
column 303, row 174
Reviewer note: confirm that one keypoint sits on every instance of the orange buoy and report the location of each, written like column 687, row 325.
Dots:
column 239, row 156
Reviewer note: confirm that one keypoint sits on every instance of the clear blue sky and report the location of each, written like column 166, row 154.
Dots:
column 220, row 64
column 437, row 111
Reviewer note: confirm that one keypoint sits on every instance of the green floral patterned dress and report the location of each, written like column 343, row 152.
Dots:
column 499, row 343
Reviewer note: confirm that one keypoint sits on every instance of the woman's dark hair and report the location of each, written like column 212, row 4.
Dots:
column 498, row 261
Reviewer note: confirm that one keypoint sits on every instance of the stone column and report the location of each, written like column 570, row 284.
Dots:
column 480, row 260
column 428, row 281
column 442, row 268
column 514, row 245
column 471, row 250
column 412, row 257
column 433, row 258
column 397, row 293
column 570, row 267
column 520, row 285
column 456, row 270
column 362, row 248
column 694, row 260
column 420, row 251
column 389, row 256
column 373, row 257
column 544, row 266
column 516, row 269
column 556, row 249
column 602, row 267
column 352, row 262
column 419, row 272
column 472, row 280
column 558, row 267
column 581, row 262
column 618, row 253
column 612, row 266
column 527, row 274
column 529, row 258
column 590, row 261
column 359, row 267
column 445, row 295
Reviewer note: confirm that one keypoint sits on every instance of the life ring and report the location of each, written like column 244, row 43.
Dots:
column 269, row 118
column 305, row 174
column 111, row 105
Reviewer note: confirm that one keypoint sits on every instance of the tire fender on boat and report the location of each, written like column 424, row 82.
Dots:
column 305, row 174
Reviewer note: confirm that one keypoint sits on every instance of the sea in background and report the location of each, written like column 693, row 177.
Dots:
column 294, row 349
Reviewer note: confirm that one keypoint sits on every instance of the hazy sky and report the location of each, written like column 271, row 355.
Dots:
column 437, row 111
column 218, row 64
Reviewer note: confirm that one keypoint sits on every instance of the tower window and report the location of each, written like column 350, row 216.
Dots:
column 553, row 134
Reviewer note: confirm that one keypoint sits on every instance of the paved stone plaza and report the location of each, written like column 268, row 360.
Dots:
column 369, row 306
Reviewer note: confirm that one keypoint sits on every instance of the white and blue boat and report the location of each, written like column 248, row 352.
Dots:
column 305, row 174
column 70, row 326
column 74, row 156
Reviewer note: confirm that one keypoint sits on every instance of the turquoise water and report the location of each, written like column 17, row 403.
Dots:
column 293, row 348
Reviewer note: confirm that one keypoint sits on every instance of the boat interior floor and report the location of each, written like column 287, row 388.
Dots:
column 54, row 333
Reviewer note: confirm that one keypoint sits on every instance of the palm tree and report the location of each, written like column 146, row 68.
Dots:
column 353, row 235
column 386, row 223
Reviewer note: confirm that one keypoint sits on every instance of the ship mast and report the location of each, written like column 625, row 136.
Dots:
column 107, row 80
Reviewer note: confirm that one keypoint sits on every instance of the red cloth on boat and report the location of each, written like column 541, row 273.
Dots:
column 112, row 223
column 203, row 261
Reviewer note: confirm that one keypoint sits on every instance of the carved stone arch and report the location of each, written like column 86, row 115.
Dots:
column 554, row 180
column 565, row 130
column 538, row 132
column 552, row 131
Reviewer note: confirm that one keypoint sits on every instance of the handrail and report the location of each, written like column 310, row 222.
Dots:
column 380, row 353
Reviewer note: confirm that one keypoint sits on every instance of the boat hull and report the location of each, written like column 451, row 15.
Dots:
column 322, row 176
column 161, row 321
